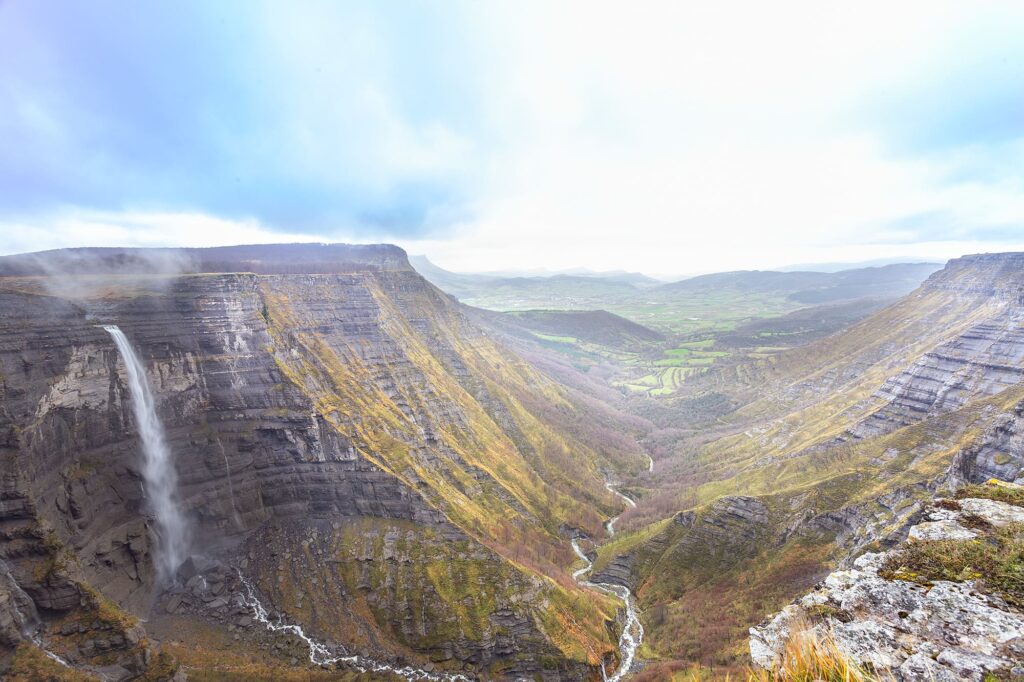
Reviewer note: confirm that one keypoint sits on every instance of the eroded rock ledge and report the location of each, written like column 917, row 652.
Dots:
column 912, row 629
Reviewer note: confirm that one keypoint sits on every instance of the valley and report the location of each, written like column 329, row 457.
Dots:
column 511, row 341
column 377, row 478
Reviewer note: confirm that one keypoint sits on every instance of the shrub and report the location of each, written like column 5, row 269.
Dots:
column 1001, row 492
column 996, row 560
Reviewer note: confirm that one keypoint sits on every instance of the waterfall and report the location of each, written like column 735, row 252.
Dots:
column 158, row 474
column 23, row 611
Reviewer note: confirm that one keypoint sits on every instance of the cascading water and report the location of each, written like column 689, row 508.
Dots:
column 633, row 632
column 22, row 610
column 158, row 474
column 320, row 654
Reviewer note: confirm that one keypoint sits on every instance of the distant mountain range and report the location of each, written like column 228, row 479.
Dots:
column 887, row 281
column 634, row 296
column 422, row 264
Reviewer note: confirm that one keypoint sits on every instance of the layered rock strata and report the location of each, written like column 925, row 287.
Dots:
column 289, row 401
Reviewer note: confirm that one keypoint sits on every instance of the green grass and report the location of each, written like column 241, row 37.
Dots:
column 557, row 339
column 1001, row 493
column 661, row 382
column 697, row 345
column 668, row 373
column 995, row 559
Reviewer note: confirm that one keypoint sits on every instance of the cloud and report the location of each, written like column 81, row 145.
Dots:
column 237, row 110
column 133, row 229
column 665, row 137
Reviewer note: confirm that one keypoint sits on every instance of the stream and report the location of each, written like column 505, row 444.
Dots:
column 610, row 524
column 321, row 655
column 633, row 632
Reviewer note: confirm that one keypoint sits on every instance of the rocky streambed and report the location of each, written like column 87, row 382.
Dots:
column 633, row 631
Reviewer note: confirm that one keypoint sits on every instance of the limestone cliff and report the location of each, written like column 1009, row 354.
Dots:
column 329, row 394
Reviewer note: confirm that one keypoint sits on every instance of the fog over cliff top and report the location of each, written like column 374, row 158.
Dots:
column 261, row 258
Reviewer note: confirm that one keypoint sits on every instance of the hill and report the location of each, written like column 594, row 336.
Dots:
column 592, row 326
column 887, row 281
column 792, row 463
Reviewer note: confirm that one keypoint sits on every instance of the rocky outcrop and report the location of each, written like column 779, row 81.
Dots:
column 354, row 391
column 940, row 630
column 982, row 361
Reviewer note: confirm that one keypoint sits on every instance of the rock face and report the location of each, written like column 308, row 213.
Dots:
column 999, row 275
column 18, row 615
column 945, row 631
column 998, row 454
column 330, row 389
column 982, row 361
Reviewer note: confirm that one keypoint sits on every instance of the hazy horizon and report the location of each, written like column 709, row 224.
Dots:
column 709, row 364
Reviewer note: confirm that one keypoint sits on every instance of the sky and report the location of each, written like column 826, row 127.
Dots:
column 662, row 137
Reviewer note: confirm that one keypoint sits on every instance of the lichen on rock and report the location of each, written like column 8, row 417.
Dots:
column 905, row 625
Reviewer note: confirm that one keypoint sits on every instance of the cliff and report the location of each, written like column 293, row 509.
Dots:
column 259, row 258
column 326, row 415
column 825, row 452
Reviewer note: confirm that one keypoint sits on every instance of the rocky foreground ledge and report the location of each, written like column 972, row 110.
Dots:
column 944, row 605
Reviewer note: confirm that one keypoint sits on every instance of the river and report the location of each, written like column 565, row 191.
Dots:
column 633, row 632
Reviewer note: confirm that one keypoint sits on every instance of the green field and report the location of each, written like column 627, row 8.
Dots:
column 709, row 312
column 699, row 329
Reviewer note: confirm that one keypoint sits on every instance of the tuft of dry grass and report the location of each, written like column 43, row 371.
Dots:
column 30, row 664
column 809, row 658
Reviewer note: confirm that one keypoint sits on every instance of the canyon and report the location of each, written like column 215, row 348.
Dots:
column 348, row 440
column 379, row 482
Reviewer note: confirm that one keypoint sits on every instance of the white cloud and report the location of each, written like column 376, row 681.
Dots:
column 665, row 137
column 683, row 137
column 138, row 229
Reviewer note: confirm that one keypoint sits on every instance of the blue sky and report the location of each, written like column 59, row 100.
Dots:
column 664, row 137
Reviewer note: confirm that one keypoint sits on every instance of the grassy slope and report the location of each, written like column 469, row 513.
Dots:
column 513, row 486
column 771, row 456
column 404, row 587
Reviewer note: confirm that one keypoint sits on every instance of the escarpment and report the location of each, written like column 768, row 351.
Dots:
column 982, row 361
column 835, row 449
column 333, row 410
